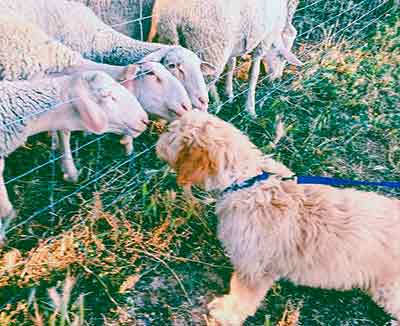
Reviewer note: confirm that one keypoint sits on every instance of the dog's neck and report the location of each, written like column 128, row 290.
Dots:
column 235, row 172
column 244, row 169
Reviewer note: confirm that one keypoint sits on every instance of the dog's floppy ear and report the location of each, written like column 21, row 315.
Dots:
column 193, row 165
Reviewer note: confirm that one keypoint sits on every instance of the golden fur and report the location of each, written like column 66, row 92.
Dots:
column 313, row 235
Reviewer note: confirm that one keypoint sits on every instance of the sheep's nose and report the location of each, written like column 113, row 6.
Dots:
column 185, row 107
column 146, row 122
column 204, row 103
column 203, row 100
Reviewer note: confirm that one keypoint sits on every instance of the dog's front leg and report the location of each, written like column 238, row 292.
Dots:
column 241, row 302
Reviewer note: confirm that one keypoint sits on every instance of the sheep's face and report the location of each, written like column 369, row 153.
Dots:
column 157, row 90
column 188, row 69
column 107, row 106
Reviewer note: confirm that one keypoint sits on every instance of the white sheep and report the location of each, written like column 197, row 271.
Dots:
column 129, row 17
column 221, row 30
column 134, row 17
column 90, row 101
column 158, row 92
column 77, row 27
column 26, row 51
column 272, row 61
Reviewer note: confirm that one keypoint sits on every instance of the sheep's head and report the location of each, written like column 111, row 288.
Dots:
column 157, row 90
column 188, row 69
column 105, row 106
column 275, row 59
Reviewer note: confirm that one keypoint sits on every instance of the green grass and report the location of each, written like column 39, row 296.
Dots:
column 342, row 118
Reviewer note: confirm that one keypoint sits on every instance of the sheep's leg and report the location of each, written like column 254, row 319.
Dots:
column 212, row 88
column 273, row 64
column 242, row 301
column 229, row 79
column 6, row 209
column 127, row 141
column 70, row 172
column 253, row 80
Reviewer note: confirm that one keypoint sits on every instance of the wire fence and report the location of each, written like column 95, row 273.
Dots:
column 117, row 171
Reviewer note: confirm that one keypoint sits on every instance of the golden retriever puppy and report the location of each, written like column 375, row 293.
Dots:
column 313, row 235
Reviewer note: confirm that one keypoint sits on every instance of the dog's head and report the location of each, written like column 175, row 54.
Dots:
column 205, row 150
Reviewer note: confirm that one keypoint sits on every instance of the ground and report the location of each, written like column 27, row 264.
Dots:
column 124, row 247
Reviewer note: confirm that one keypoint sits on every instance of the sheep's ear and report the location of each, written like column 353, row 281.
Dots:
column 91, row 113
column 207, row 68
column 193, row 165
column 128, row 76
column 290, row 56
column 129, row 73
column 156, row 56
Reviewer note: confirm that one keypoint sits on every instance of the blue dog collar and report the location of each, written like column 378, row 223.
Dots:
column 247, row 184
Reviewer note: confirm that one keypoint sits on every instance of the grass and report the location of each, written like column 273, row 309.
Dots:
column 128, row 249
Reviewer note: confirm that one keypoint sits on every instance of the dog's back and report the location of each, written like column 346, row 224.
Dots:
column 349, row 238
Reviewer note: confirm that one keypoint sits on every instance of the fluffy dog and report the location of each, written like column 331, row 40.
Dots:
column 316, row 236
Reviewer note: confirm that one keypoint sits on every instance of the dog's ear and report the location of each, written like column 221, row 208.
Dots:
column 193, row 165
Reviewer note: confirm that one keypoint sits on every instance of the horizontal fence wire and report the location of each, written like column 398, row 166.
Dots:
column 123, row 195
column 237, row 68
column 114, row 167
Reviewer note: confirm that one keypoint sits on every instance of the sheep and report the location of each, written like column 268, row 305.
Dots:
column 272, row 60
column 273, row 64
column 133, row 18
column 27, row 52
column 156, row 89
column 129, row 17
column 90, row 101
column 76, row 26
column 231, row 28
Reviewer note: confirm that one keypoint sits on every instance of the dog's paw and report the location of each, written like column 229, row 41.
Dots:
column 226, row 311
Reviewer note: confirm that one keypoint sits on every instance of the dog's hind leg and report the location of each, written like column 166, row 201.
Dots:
column 388, row 297
column 241, row 302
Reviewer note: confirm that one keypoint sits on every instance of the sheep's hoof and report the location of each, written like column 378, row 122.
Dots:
column 128, row 149
column 127, row 142
column 229, row 94
column 71, row 177
column 251, row 110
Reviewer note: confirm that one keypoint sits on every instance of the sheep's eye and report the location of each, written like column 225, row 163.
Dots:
column 172, row 65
